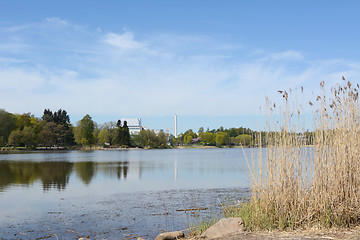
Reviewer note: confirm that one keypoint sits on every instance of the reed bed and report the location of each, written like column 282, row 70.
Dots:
column 295, row 185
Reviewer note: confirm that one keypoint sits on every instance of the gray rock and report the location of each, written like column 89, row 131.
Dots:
column 224, row 227
column 170, row 235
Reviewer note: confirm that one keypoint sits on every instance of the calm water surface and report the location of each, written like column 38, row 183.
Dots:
column 115, row 194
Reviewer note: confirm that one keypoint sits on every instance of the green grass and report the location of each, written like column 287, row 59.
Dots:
column 200, row 226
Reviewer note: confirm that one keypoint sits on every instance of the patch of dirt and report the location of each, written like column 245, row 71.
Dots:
column 346, row 234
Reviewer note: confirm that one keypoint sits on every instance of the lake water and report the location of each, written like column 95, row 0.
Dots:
column 115, row 194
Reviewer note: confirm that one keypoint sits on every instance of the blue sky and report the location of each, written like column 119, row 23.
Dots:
column 210, row 62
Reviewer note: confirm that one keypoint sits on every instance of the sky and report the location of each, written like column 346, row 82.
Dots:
column 213, row 63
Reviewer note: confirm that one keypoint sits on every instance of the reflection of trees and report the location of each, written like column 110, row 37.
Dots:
column 55, row 174
column 118, row 169
column 52, row 174
column 17, row 173
column 85, row 171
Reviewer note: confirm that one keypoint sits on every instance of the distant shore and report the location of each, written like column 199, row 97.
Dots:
column 88, row 148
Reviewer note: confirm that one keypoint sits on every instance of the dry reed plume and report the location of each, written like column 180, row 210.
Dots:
column 296, row 185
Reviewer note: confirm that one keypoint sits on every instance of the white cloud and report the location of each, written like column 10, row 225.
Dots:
column 123, row 41
column 11, row 60
column 14, row 47
column 287, row 55
column 189, row 75
column 57, row 21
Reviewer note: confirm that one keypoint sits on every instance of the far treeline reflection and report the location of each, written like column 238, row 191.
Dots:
column 55, row 174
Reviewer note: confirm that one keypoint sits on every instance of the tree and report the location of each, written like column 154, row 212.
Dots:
column 29, row 136
column 148, row 138
column 162, row 138
column 201, row 129
column 53, row 134
column 84, row 133
column 107, row 133
column 191, row 133
column 188, row 138
column 207, row 137
column 119, row 133
column 48, row 116
column 23, row 120
column 126, row 134
column 222, row 138
column 7, row 125
column 15, row 138
column 243, row 139
column 61, row 118
column 122, row 134
column 24, row 138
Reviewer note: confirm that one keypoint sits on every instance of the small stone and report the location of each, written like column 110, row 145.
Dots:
column 224, row 227
column 170, row 235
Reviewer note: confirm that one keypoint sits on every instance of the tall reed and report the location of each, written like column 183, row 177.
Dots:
column 295, row 185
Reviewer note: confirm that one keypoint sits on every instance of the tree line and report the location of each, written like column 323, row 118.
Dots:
column 218, row 137
column 54, row 129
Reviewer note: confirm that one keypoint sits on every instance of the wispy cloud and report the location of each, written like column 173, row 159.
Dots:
column 57, row 21
column 143, row 75
column 123, row 41
column 287, row 55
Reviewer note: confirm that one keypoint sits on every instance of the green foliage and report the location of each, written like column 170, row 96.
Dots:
column 162, row 139
column 149, row 139
column 125, row 134
column 200, row 226
column 243, row 140
column 107, row 133
column 53, row 134
column 84, row 131
column 48, row 116
column 23, row 120
column 62, row 119
column 23, row 138
column 207, row 138
column 201, row 129
column 191, row 133
column 222, row 138
column 122, row 135
column 188, row 138
column 15, row 138
column 7, row 124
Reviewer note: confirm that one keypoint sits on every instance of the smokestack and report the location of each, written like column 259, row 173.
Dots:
column 175, row 119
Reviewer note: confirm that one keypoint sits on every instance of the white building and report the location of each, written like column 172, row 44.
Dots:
column 134, row 125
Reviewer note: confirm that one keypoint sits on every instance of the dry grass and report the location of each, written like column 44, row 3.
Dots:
column 295, row 186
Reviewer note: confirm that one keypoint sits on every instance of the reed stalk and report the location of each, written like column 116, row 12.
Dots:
column 297, row 185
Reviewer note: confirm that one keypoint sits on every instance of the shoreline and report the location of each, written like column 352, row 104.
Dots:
column 46, row 149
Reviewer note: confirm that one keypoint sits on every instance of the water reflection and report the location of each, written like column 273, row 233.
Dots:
column 134, row 170
column 94, row 192
column 85, row 171
column 55, row 175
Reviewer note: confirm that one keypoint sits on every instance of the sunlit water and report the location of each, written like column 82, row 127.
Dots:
column 115, row 194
